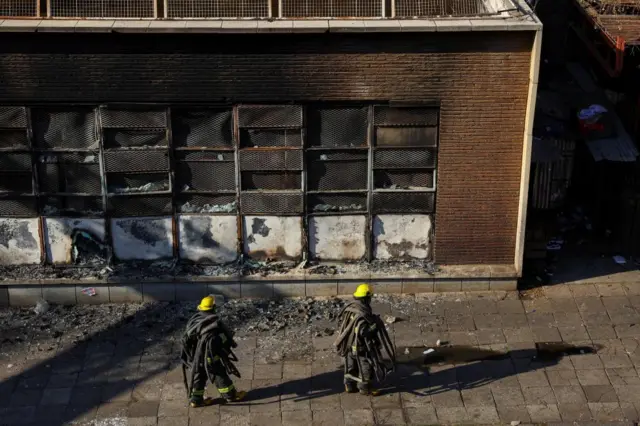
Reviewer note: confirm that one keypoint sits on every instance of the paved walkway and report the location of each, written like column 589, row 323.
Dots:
column 490, row 372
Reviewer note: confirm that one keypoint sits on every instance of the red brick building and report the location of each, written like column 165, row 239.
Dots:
column 402, row 133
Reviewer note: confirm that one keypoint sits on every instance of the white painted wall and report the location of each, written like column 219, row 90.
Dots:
column 402, row 237
column 208, row 239
column 142, row 238
column 58, row 236
column 337, row 237
column 19, row 241
column 274, row 237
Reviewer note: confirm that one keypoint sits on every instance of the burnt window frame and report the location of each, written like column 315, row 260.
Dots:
column 143, row 203
column 287, row 201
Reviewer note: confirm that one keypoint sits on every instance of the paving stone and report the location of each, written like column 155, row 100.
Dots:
column 143, row 409
column 558, row 291
column 173, row 408
column 447, row 398
column 587, row 362
column 623, row 376
column 17, row 415
column 263, row 419
column 533, row 379
column 327, row 418
column 606, row 411
column 25, row 397
column 81, row 415
column 539, row 395
column 509, row 306
column 518, row 335
column 629, row 411
column 423, row 415
column 173, row 421
column 627, row 330
column 628, row 393
column 508, row 397
column 292, row 370
column 233, row 419
column 490, row 336
column 601, row 332
column 142, row 421
column 477, row 396
column 514, row 413
column 563, row 378
column 387, row 400
column 513, row 321
column 483, row 306
column 389, row 416
column 541, row 319
column 600, row 393
column 483, row 414
column 59, row 396
column 86, row 396
column 578, row 412
column 358, row 418
column 483, row 321
column 62, row 380
column 584, row 290
column 267, row 371
column 111, row 410
column 296, row 418
column 593, row 377
column 546, row 334
column 573, row 334
column 609, row 290
column 353, row 401
column 172, row 391
column 455, row 415
column 544, row 413
column 568, row 319
column 568, row 395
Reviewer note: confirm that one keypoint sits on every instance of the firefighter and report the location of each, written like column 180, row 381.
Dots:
column 207, row 350
column 362, row 337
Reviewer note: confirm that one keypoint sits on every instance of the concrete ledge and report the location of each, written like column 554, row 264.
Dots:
column 60, row 295
column 126, row 294
column 159, row 292
column 4, row 296
column 24, row 296
column 269, row 26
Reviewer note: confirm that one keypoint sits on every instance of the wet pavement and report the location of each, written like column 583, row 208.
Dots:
column 563, row 354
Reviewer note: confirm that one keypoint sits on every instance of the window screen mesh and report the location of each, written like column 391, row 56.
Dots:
column 202, row 128
column 70, row 128
column 12, row 117
column 337, row 127
column 218, row 8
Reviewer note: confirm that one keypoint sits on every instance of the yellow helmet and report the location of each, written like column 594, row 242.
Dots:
column 207, row 304
column 363, row 290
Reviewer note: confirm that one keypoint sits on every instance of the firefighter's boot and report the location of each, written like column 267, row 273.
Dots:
column 198, row 400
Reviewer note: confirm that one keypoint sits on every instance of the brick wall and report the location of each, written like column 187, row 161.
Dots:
column 480, row 81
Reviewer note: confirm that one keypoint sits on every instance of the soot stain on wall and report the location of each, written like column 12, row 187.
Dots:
column 18, row 231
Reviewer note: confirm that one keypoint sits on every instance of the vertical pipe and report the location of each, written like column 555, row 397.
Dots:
column 48, row 8
column 172, row 185
column 369, row 231
column 166, row 8
column 270, row 7
column 236, row 155
column 103, row 182
column 384, row 14
column 393, row 8
column 35, row 187
column 280, row 8
column 305, row 216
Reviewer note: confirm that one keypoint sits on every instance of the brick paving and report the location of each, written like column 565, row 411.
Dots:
column 115, row 380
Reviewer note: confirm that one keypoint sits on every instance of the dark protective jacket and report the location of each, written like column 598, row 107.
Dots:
column 206, row 340
column 362, row 334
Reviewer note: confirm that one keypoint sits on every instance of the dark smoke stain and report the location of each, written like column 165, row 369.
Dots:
column 199, row 231
column 147, row 231
column 258, row 227
column 18, row 231
column 89, row 249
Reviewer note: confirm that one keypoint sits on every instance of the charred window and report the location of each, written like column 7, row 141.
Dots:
column 337, row 159
column 270, row 158
column 205, row 164
column 404, row 159
column 136, row 160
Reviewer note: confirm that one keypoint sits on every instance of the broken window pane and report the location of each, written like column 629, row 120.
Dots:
column 13, row 138
column 15, row 162
column 64, row 128
column 337, row 127
column 16, row 182
column 13, row 117
column 407, row 136
column 126, row 183
column 271, row 160
column 271, row 180
column 404, row 158
column 136, row 161
column 11, row 206
column 72, row 206
column 206, row 176
column 276, row 203
column 337, row 203
column 402, row 179
column 256, row 138
column 201, row 128
column 337, row 175
column 59, row 177
column 140, row 205
column 206, row 203
column 127, row 138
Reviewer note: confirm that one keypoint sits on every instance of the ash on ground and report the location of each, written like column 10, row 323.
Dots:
column 243, row 267
column 287, row 329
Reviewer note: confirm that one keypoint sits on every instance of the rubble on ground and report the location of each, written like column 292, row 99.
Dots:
column 91, row 267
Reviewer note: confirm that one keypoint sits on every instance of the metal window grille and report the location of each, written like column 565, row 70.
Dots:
column 11, row 206
column 403, row 202
column 19, row 8
column 130, row 118
column 271, row 160
column 64, row 128
column 202, row 128
column 326, row 175
column 218, row 8
column 414, row 8
column 139, row 205
column 271, row 180
column 15, row 162
column 337, row 203
column 337, row 127
column 136, row 161
column 137, row 183
column 270, row 116
column 209, row 176
column 13, row 117
column 72, row 206
column 404, row 158
column 20, row 183
column 69, row 178
column 223, row 204
column 102, row 8
column 275, row 203
column 406, row 136
column 127, row 138
column 332, row 8
column 403, row 179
